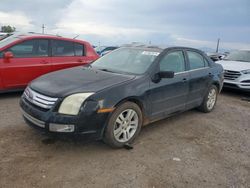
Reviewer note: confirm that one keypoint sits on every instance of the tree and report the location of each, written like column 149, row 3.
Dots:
column 7, row 29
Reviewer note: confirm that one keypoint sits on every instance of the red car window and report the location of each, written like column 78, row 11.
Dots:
column 31, row 48
column 62, row 48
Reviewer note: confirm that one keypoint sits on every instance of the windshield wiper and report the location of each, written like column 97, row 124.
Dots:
column 235, row 60
column 241, row 60
column 88, row 65
column 106, row 70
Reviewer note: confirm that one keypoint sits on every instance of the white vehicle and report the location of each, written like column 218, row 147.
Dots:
column 237, row 70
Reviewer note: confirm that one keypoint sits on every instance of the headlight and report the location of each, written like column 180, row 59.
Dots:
column 72, row 104
column 246, row 71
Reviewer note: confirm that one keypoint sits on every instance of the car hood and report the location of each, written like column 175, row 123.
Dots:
column 234, row 65
column 78, row 79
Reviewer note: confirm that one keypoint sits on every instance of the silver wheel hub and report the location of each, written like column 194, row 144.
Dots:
column 126, row 125
column 211, row 99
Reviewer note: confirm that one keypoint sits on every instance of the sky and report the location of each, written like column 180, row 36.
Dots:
column 193, row 23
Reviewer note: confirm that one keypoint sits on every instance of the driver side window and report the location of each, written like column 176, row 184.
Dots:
column 31, row 48
column 24, row 49
column 173, row 61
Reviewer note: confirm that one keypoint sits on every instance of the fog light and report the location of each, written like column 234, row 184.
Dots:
column 61, row 128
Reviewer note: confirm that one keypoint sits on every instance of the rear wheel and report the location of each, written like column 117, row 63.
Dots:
column 124, row 125
column 209, row 100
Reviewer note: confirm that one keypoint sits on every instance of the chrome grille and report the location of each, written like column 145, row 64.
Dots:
column 39, row 99
column 231, row 75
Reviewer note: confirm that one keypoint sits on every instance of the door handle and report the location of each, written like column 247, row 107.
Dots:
column 44, row 62
column 80, row 60
column 184, row 80
column 210, row 74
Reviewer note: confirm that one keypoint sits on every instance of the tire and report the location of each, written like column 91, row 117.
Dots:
column 122, row 129
column 209, row 100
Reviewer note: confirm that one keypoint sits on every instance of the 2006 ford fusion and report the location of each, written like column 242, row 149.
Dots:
column 112, row 98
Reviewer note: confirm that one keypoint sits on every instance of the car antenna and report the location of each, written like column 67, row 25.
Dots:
column 76, row 36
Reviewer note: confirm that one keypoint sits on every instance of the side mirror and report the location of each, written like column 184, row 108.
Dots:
column 162, row 74
column 8, row 55
column 166, row 74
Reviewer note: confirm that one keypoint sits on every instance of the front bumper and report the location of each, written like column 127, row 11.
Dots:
column 88, row 122
column 236, row 84
column 237, row 80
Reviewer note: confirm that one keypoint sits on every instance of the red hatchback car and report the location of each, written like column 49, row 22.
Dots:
column 27, row 56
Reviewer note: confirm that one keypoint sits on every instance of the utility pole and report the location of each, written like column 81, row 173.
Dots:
column 218, row 43
column 43, row 27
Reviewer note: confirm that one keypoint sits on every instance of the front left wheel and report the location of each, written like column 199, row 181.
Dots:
column 124, row 125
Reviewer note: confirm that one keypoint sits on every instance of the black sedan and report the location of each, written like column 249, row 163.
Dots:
column 112, row 98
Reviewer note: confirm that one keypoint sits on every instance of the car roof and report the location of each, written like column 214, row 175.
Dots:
column 30, row 34
column 159, row 48
column 143, row 48
column 40, row 35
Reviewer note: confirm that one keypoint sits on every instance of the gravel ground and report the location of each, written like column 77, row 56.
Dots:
column 189, row 150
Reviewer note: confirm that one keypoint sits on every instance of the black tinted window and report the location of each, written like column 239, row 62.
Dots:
column 62, row 48
column 174, row 61
column 79, row 50
column 196, row 60
column 30, row 48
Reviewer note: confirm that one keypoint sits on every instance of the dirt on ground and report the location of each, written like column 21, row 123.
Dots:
column 192, row 149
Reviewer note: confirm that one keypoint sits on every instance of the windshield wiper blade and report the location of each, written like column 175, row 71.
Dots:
column 241, row 60
column 88, row 65
column 106, row 70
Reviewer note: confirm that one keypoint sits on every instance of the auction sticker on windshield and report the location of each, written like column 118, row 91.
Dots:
column 150, row 53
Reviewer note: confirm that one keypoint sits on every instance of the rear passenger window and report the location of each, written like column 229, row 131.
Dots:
column 62, row 48
column 196, row 61
column 79, row 50
column 173, row 61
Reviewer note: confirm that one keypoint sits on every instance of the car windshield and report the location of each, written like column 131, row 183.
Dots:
column 7, row 40
column 239, row 56
column 127, row 60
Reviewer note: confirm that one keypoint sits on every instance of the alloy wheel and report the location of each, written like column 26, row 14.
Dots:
column 126, row 125
column 211, row 99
